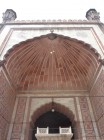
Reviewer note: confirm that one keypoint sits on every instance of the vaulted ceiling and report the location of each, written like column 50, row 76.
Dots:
column 52, row 62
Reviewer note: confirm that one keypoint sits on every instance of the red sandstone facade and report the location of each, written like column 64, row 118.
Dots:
column 65, row 65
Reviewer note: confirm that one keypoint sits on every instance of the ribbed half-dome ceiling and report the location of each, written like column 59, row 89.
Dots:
column 52, row 62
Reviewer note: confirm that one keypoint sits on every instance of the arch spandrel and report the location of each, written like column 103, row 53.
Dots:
column 53, row 62
column 36, row 113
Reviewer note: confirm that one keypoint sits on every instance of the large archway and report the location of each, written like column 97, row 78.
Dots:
column 52, row 62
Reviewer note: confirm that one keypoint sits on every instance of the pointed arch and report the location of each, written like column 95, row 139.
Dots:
column 48, row 107
column 52, row 61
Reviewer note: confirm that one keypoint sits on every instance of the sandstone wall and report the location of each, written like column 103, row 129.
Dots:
column 28, row 109
column 97, row 100
column 7, row 100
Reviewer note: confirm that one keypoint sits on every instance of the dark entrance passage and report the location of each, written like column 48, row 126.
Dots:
column 53, row 120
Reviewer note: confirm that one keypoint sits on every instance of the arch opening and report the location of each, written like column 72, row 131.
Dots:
column 53, row 120
column 43, row 117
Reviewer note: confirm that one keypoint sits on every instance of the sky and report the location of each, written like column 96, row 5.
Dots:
column 51, row 9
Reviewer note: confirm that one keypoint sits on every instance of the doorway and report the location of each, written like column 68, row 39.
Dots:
column 53, row 120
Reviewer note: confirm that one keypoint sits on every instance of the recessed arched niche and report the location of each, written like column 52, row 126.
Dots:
column 52, row 62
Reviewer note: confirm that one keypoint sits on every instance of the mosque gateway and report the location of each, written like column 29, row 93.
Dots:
column 52, row 78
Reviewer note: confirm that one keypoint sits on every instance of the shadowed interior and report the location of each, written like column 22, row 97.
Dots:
column 53, row 120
